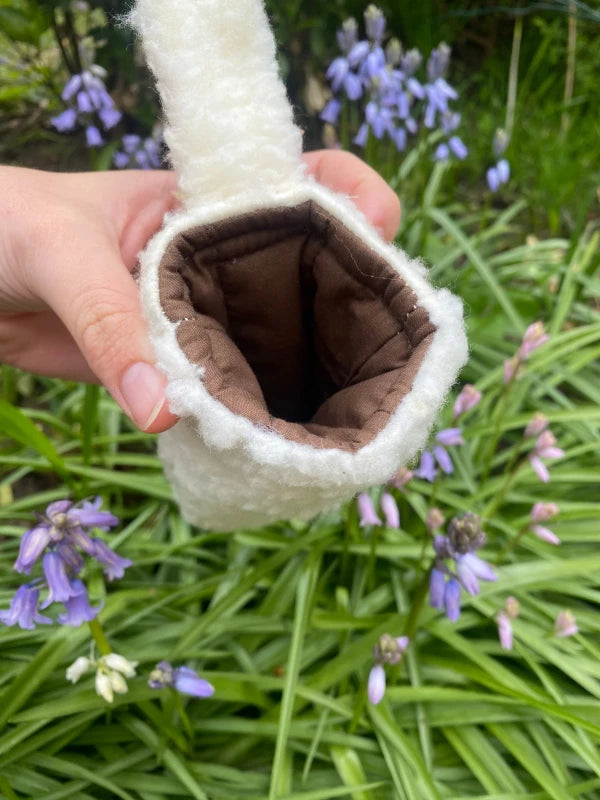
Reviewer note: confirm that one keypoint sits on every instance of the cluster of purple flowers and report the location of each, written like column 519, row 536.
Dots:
column 565, row 623
column 368, row 515
column 427, row 469
column 437, row 455
column 464, row 537
column 57, row 539
column 384, row 80
column 89, row 106
column 544, row 447
column 534, row 337
column 138, row 153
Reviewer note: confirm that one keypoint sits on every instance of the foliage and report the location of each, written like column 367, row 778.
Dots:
column 282, row 621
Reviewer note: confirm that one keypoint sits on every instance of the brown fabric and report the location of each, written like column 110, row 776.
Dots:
column 299, row 325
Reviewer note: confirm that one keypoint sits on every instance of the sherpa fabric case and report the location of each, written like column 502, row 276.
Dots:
column 306, row 357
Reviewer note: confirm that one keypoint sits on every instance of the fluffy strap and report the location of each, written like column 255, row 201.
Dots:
column 229, row 130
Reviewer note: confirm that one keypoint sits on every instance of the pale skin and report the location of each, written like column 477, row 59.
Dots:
column 69, row 307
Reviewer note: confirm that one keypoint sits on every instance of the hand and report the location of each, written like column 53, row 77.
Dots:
column 68, row 305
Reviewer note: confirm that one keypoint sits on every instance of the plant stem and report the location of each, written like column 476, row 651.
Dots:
column 417, row 604
column 571, row 51
column 99, row 637
column 512, row 544
column 513, row 76
column 500, row 412
column 498, row 499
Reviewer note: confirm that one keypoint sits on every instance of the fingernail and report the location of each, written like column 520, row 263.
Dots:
column 143, row 389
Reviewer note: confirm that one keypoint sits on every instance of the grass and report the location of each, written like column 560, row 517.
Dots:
column 282, row 620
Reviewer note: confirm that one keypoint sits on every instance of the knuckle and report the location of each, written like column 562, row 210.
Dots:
column 105, row 325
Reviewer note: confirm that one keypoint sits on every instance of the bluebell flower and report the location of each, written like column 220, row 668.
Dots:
column 347, row 35
column 78, row 608
column 374, row 23
column 452, row 599
column 388, row 650
column 464, row 537
column 444, row 438
column 111, row 671
column 23, row 609
column 66, row 121
column 438, row 62
column 114, row 565
column 63, row 523
column 139, row 153
column 426, row 469
column 331, row 112
column 57, row 578
column 183, row 679
column 366, row 510
column 395, row 99
column 437, row 586
column 499, row 174
column 90, row 104
column 458, row 147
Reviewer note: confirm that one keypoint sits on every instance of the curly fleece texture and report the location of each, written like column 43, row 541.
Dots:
column 233, row 142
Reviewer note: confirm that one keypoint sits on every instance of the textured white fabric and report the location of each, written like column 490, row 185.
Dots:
column 233, row 140
column 229, row 124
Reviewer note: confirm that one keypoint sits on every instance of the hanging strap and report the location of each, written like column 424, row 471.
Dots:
column 229, row 125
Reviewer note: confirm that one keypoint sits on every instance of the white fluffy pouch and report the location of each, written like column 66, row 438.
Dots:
column 306, row 358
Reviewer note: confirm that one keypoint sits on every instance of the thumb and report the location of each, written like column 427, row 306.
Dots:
column 98, row 301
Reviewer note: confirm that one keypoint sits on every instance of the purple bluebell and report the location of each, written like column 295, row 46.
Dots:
column 331, row 112
column 438, row 62
column 376, row 684
column 139, row 153
column 78, row 608
column 437, row 586
column 443, row 459
column 458, row 147
column 366, row 510
column 63, row 524
column 363, row 134
column 390, row 510
column 90, row 105
column 93, row 136
column 114, row 565
column 60, row 588
column 388, row 650
column 452, row 599
column 374, row 23
column 23, row 609
column 499, row 174
column 464, row 537
column 347, row 35
column 396, row 102
column 426, row 469
column 183, row 679
column 32, row 545
column 358, row 53
column 65, row 121
column 442, row 152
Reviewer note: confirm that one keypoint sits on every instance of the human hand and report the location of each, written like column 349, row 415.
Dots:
column 68, row 244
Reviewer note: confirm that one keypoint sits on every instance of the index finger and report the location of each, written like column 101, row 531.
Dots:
column 346, row 173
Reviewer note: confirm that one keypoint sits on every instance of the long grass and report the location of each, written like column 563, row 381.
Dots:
column 282, row 620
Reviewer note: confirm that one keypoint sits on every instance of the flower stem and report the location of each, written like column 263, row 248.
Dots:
column 497, row 432
column 99, row 637
column 417, row 604
column 498, row 499
column 512, row 544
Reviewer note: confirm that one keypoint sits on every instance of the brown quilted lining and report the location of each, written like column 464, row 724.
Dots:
column 299, row 326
